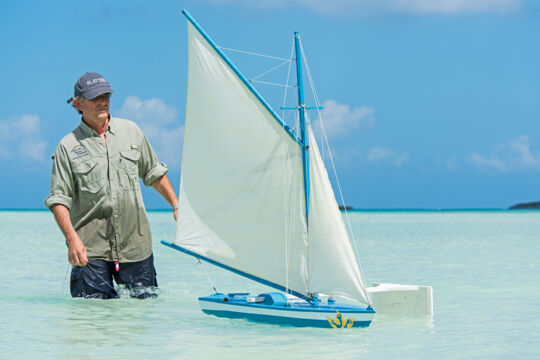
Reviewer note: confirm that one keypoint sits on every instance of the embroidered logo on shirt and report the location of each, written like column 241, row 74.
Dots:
column 79, row 151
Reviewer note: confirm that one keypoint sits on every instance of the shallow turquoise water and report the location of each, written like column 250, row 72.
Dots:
column 483, row 267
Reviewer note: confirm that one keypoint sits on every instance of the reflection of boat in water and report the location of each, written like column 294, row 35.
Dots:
column 255, row 199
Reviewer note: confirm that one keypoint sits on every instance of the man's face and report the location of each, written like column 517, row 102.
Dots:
column 96, row 108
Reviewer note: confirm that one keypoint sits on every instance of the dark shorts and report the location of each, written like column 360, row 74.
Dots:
column 95, row 280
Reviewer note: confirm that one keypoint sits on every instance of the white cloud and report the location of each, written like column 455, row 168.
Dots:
column 160, row 124
column 380, row 154
column 451, row 163
column 514, row 155
column 153, row 111
column 363, row 7
column 20, row 140
column 340, row 119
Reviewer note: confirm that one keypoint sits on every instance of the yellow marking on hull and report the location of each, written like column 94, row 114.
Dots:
column 339, row 322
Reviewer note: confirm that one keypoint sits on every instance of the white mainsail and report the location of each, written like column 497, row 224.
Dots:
column 242, row 194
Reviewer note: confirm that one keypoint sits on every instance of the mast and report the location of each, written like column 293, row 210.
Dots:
column 303, row 126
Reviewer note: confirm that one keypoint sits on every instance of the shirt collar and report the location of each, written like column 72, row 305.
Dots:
column 91, row 132
column 86, row 129
column 112, row 125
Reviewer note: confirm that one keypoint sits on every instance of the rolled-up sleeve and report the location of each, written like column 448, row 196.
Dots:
column 150, row 169
column 62, row 183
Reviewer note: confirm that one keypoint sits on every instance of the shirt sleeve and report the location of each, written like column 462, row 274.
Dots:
column 149, row 168
column 62, row 183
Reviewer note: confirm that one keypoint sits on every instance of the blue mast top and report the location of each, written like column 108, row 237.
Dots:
column 303, row 127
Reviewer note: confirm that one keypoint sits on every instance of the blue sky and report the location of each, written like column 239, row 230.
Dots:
column 428, row 104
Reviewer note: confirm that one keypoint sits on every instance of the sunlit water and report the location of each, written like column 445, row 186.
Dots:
column 483, row 266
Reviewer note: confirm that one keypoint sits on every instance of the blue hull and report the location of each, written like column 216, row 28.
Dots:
column 277, row 308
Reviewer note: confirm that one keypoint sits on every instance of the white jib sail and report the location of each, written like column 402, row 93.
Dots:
column 241, row 192
column 333, row 269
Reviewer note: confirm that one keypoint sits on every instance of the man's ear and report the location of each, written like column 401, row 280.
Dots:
column 77, row 104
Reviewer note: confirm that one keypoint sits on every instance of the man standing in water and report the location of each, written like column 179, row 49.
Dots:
column 96, row 198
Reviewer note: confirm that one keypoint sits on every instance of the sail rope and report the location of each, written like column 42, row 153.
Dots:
column 270, row 83
column 283, row 112
column 253, row 79
column 69, row 266
column 324, row 141
column 207, row 275
column 270, row 70
column 101, row 278
column 286, row 114
column 252, row 53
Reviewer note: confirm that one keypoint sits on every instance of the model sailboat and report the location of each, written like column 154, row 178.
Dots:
column 255, row 199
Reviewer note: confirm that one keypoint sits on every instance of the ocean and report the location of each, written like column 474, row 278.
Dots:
column 483, row 266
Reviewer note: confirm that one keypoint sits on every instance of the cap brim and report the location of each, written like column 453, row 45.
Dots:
column 96, row 91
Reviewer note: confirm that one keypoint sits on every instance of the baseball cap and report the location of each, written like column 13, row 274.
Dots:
column 91, row 85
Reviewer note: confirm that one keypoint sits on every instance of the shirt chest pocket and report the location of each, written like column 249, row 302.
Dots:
column 128, row 169
column 89, row 178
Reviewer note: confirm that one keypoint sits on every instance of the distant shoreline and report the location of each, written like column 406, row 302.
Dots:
column 526, row 206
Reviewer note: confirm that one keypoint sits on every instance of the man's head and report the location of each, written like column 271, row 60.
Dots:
column 91, row 95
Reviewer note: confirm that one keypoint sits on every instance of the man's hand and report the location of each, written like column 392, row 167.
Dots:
column 76, row 251
column 76, row 248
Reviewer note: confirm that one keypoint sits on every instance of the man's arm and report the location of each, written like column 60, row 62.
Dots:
column 164, row 187
column 76, row 248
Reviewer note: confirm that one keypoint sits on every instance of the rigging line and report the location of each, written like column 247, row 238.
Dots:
column 316, row 98
column 346, row 212
column 65, row 277
column 269, row 83
column 286, row 221
column 101, row 278
column 289, row 221
column 295, row 190
column 335, row 172
column 288, row 77
column 252, row 53
column 285, row 167
column 207, row 275
column 267, row 71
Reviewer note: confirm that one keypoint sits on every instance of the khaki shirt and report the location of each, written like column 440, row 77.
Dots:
column 99, row 184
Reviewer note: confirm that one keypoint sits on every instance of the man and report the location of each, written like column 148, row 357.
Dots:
column 96, row 199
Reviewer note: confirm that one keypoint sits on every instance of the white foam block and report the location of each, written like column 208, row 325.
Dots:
column 407, row 300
